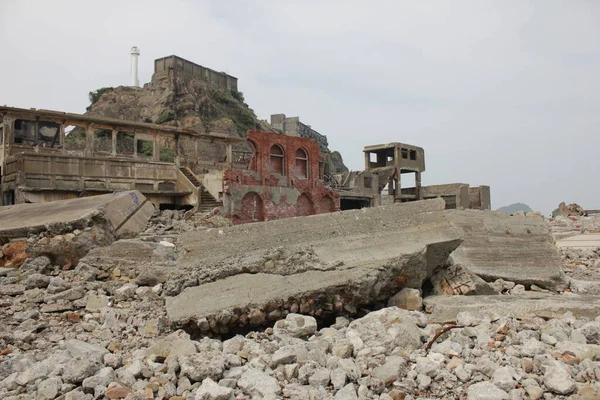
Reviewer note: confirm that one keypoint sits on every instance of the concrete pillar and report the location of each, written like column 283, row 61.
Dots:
column 397, row 180
column 177, row 160
column 367, row 160
column 62, row 138
column 155, row 147
column 229, row 155
column 418, row 185
column 89, row 141
column 114, row 143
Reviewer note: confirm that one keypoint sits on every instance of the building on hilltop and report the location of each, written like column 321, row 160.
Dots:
column 292, row 126
column 185, row 68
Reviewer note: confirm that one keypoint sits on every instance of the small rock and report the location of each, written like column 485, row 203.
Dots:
column 486, row 391
column 210, row 390
column 295, row 325
column 407, row 299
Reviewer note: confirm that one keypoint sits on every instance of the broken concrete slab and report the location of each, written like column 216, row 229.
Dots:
column 314, row 265
column 583, row 241
column 530, row 304
column 124, row 214
column 514, row 248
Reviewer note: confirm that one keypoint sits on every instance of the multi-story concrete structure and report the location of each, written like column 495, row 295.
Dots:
column 188, row 69
column 390, row 162
column 292, row 126
column 50, row 155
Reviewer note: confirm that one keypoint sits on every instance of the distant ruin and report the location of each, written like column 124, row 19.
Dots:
column 187, row 68
column 293, row 127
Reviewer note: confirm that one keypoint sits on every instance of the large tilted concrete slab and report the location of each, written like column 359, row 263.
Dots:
column 531, row 304
column 316, row 264
column 514, row 248
column 123, row 213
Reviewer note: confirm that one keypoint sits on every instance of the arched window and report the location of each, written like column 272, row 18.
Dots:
column 301, row 170
column 277, row 159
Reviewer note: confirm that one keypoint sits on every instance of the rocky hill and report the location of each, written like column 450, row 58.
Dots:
column 185, row 102
column 513, row 208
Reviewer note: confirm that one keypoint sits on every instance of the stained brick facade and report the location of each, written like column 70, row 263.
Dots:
column 283, row 180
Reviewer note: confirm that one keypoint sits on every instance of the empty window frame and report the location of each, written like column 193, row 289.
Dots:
column 103, row 141
column 125, row 143
column 277, row 159
column 413, row 154
column 75, row 137
column 25, row 132
column 145, row 148
column 368, row 182
column 301, row 170
column 404, row 153
column 48, row 134
column 166, row 151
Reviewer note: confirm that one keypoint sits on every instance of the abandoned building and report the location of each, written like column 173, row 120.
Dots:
column 390, row 162
column 384, row 181
column 292, row 126
column 460, row 195
column 185, row 68
column 284, row 178
column 49, row 155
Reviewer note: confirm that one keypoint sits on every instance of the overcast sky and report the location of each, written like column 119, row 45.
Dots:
column 499, row 93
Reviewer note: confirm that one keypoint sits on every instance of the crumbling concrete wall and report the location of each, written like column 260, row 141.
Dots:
column 456, row 195
column 267, row 191
column 460, row 195
column 480, row 198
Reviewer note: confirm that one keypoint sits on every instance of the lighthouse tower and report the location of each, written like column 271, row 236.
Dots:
column 135, row 52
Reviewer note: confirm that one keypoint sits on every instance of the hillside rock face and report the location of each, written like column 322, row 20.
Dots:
column 185, row 102
column 177, row 101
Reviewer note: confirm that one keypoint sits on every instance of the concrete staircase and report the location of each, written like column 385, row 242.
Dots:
column 207, row 201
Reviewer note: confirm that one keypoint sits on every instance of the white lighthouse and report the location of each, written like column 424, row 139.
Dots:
column 135, row 52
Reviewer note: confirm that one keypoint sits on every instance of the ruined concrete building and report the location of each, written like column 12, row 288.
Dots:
column 383, row 181
column 187, row 68
column 284, row 178
column 390, row 162
column 49, row 155
column 293, row 127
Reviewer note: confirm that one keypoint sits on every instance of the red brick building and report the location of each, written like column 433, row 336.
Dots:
column 284, row 179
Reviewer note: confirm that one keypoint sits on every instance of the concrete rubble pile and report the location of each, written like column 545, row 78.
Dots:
column 393, row 302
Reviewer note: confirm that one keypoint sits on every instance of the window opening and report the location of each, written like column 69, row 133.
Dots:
column 125, row 143
column 145, row 148
column 301, row 164
column 413, row 155
column 75, row 137
column 277, row 158
column 404, row 153
column 103, row 140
